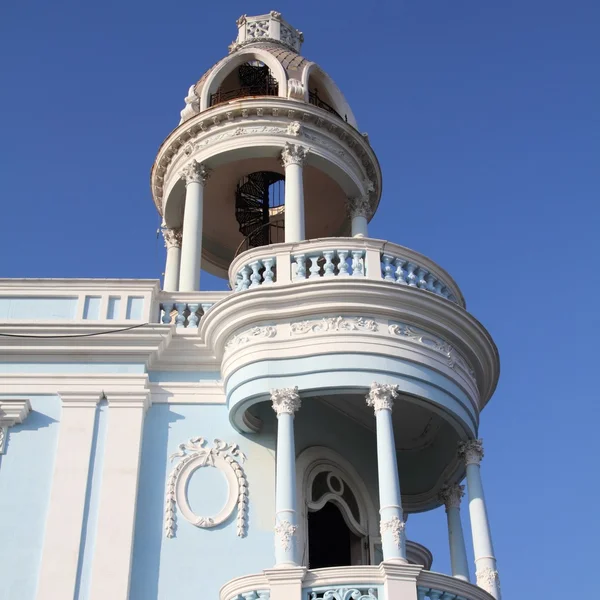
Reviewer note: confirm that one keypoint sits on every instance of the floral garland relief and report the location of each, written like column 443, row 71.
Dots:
column 194, row 454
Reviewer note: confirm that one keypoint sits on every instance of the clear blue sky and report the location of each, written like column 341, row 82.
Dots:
column 485, row 119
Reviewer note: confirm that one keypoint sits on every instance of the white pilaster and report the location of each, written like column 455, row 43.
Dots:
column 359, row 210
column 485, row 560
column 286, row 402
column 195, row 175
column 173, row 245
column 293, row 157
column 451, row 496
column 111, row 567
column 392, row 525
column 64, row 522
column 12, row 412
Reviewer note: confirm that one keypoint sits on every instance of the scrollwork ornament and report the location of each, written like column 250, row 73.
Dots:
column 344, row 593
column 396, row 526
column 452, row 495
column 471, row 451
column 333, row 324
column 172, row 237
column 194, row 455
column 286, row 401
column 195, row 172
column 359, row 207
column 285, row 532
column 293, row 154
column 381, row 396
column 488, row 579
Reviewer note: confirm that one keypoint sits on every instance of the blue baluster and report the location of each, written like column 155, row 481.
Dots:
column 205, row 307
column 193, row 318
column 430, row 282
column 448, row 596
column 255, row 277
column 314, row 266
column 167, row 308
column 328, row 267
column 238, row 282
column 180, row 317
column 400, row 274
column 411, row 278
column 245, row 278
column 343, row 265
column 435, row 594
column 387, row 267
column 421, row 592
column 421, row 283
column 358, row 268
column 437, row 287
column 300, row 260
column 445, row 292
column 268, row 274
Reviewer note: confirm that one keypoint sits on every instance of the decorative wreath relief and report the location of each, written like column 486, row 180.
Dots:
column 195, row 455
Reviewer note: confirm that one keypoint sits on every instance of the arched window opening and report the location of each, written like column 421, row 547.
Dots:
column 259, row 209
column 252, row 78
column 337, row 529
column 318, row 96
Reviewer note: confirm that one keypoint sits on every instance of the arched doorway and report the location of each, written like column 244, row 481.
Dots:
column 336, row 519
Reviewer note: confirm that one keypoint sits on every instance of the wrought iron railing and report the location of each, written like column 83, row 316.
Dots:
column 256, row 90
column 313, row 98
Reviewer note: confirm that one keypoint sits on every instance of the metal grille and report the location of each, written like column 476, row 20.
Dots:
column 313, row 98
column 255, row 80
column 258, row 197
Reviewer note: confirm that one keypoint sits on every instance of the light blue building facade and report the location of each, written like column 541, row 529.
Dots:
column 164, row 441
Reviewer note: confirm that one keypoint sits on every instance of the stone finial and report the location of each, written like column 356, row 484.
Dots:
column 172, row 237
column 195, row 172
column 293, row 154
column 286, row 401
column 381, row 396
column 452, row 495
column 471, row 451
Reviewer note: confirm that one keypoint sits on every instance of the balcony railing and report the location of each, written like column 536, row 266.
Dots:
column 244, row 92
column 327, row 258
column 357, row 583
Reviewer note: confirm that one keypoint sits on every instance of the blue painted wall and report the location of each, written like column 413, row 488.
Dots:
column 197, row 562
column 25, row 479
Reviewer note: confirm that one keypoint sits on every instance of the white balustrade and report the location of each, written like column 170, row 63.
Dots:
column 341, row 257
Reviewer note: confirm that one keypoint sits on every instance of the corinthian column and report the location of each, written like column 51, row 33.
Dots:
column 173, row 246
column 451, row 496
column 485, row 560
column 286, row 402
column 393, row 541
column 292, row 158
column 359, row 210
column 195, row 175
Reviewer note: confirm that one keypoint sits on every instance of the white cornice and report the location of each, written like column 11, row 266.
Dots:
column 13, row 411
column 43, row 286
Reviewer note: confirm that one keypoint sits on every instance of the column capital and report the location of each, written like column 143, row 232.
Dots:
column 381, row 396
column 359, row 207
column 286, row 401
column 293, row 154
column 194, row 172
column 172, row 237
column 451, row 495
column 471, row 451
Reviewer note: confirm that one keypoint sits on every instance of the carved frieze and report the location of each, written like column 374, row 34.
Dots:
column 396, row 527
column 266, row 331
column 333, row 324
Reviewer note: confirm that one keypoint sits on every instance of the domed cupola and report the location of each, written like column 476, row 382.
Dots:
column 267, row 151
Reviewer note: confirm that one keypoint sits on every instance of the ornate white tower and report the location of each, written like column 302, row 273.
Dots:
column 268, row 442
column 262, row 119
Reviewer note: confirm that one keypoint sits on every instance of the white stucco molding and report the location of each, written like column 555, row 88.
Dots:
column 12, row 412
column 206, row 134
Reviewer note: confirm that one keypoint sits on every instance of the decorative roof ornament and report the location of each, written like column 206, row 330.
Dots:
column 266, row 28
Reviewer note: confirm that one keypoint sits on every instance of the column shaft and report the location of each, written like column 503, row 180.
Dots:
column 359, row 226
column 485, row 559
column 64, row 522
column 292, row 158
column 458, row 551
column 285, row 402
column 381, row 398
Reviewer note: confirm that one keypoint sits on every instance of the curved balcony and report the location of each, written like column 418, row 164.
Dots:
column 326, row 258
column 383, row 582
